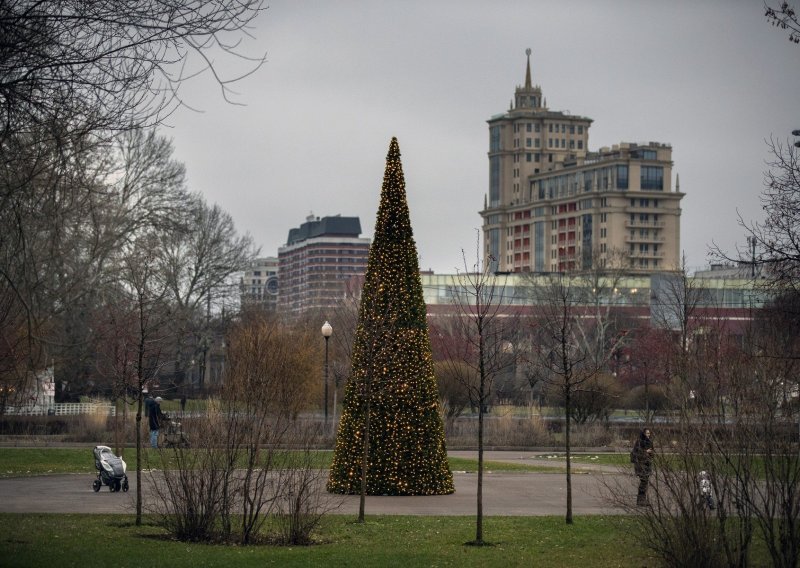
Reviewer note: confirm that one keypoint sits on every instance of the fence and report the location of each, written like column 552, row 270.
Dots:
column 63, row 409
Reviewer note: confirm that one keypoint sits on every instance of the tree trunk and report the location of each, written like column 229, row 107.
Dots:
column 139, row 459
column 567, row 412
column 479, row 520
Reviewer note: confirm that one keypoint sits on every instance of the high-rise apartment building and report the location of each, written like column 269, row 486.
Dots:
column 554, row 206
column 318, row 260
column 259, row 283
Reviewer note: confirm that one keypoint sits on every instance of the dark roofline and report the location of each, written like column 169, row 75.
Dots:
column 336, row 226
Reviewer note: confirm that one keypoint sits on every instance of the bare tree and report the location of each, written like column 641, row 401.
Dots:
column 199, row 257
column 775, row 242
column 484, row 344
column 146, row 289
column 254, row 454
column 785, row 18
column 112, row 64
column 72, row 210
column 571, row 345
column 455, row 379
column 46, row 245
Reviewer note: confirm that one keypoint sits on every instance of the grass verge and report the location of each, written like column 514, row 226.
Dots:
column 16, row 462
column 385, row 541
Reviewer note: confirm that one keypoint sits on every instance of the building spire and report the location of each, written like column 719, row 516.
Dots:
column 528, row 70
column 527, row 96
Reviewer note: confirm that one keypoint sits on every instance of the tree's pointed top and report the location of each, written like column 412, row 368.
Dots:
column 394, row 149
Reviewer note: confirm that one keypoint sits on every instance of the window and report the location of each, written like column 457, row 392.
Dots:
column 528, row 142
column 536, row 142
column 649, row 155
column 622, row 177
column 528, row 157
column 572, row 129
column 549, row 127
column 537, row 127
column 528, row 127
column 494, row 139
column 494, row 181
column 652, row 177
column 580, row 129
column 580, row 144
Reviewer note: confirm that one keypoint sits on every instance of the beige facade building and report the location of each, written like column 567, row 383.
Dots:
column 554, row 206
column 259, row 283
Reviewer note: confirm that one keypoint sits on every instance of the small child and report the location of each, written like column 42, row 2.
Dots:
column 706, row 489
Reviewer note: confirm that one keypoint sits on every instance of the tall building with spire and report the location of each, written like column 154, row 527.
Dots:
column 555, row 206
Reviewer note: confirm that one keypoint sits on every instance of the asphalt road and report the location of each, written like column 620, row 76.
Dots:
column 513, row 494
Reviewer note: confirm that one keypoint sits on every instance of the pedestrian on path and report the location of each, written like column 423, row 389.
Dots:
column 155, row 421
column 642, row 458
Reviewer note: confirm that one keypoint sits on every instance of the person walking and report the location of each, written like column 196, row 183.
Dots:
column 642, row 458
column 155, row 421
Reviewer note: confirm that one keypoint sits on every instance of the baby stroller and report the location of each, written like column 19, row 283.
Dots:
column 173, row 434
column 110, row 470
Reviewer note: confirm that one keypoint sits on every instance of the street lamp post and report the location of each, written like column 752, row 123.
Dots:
column 327, row 330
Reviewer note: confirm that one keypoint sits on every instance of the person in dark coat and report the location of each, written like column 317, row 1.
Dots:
column 642, row 458
column 155, row 417
column 148, row 404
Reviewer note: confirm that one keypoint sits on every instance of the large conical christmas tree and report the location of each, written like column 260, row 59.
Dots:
column 391, row 393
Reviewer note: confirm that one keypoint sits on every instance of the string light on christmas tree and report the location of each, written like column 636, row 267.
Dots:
column 392, row 368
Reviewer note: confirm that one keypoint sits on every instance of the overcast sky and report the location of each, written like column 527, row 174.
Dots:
column 713, row 79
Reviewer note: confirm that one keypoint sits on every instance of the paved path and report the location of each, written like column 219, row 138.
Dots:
column 514, row 494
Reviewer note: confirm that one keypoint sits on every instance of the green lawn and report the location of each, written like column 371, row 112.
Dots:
column 557, row 458
column 383, row 541
column 15, row 462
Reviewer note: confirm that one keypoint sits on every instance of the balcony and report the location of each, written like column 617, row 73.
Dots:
column 636, row 223
column 645, row 254
column 640, row 239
